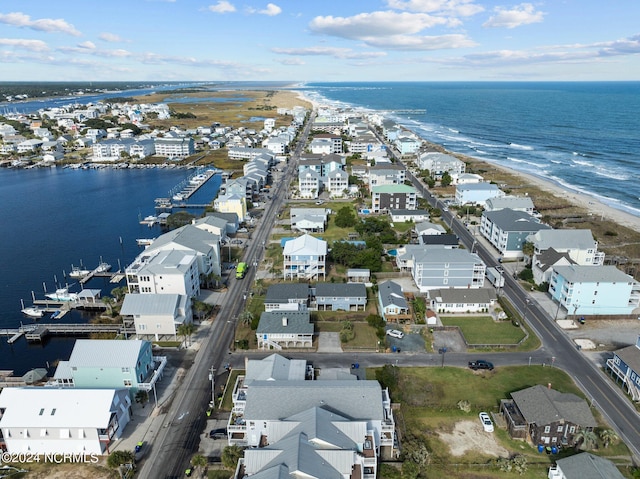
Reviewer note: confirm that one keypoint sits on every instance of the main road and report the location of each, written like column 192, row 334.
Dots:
column 178, row 439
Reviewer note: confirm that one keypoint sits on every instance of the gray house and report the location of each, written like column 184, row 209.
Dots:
column 285, row 329
column 392, row 305
column 584, row 466
column 507, row 230
column 341, row 297
column 287, row 297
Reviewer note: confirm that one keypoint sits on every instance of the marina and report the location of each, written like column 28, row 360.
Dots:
column 188, row 187
column 39, row 332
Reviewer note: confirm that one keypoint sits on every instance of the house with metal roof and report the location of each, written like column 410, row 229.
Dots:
column 625, row 367
column 507, row 230
column 165, row 272
column 392, row 304
column 304, row 258
column 309, row 220
column 584, row 466
column 546, row 416
column 284, row 329
column 515, row 203
column 452, row 300
column 37, row 420
column 287, row 297
column 579, row 244
column 109, row 364
column 358, row 275
column 428, row 228
column 445, row 240
column 594, row 290
column 340, row 296
column 476, row 193
column 403, row 215
column 157, row 316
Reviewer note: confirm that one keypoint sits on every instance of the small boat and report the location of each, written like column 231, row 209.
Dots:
column 78, row 272
column 103, row 267
column 55, row 315
column 31, row 311
column 62, row 294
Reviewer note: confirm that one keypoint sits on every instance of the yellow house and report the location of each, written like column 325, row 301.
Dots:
column 232, row 204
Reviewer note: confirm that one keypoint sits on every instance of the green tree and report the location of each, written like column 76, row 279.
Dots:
column 142, row 397
column 119, row 293
column 585, row 439
column 186, row 330
column 369, row 258
column 117, row 458
column 345, row 217
column 199, row 461
column 388, row 376
column 246, row 318
column 230, row 456
column 446, row 179
column 608, row 437
column 108, row 302
column 181, row 218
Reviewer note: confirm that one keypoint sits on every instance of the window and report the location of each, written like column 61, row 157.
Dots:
column 547, row 429
column 53, row 411
column 126, row 370
column 127, row 383
column 572, row 429
column 559, row 428
column 554, row 439
column 41, row 412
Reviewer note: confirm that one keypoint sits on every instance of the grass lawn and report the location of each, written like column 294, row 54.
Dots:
column 484, row 330
column 365, row 335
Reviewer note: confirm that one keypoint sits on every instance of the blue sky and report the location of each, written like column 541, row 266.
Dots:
column 320, row 40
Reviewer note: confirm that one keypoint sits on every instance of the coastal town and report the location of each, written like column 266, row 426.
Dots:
column 354, row 303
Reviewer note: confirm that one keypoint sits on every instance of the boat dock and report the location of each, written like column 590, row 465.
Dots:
column 188, row 187
column 38, row 332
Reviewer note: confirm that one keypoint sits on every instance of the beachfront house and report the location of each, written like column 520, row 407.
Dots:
column 515, row 203
column 579, row 244
column 459, row 301
column 594, row 291
column 386, row 174
column 625, row 368
column 507, row 230
column 439, row 163
column 387, row 197
column 542, row 264
column 545, row 416
column 108, row 364
column 284, row 329
column 466, row 178
column 392, row 304
column 37, row 420
column 304, row 258
column 476, row 193
column 584, row 466
column 340, row 296
column 157, row 316
column 287, row 297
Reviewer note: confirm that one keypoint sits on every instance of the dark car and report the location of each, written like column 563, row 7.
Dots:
column 220, row 433
column 480, row 364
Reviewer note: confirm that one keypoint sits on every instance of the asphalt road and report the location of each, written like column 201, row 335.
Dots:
column 174, row 445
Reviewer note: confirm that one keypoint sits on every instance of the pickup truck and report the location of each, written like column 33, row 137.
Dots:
column 481, row 364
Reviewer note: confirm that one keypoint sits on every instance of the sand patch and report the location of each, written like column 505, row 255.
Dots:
column 469, row 436
column 585, row 343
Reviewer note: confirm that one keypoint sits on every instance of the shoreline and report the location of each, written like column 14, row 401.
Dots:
column 592, row 204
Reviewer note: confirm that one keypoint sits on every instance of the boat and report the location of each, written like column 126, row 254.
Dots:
column 103, row 267
column 78, row 272
column 149, row 220
column 31, row 311
column 145, row 241
column 62, row 294
column 56, row 314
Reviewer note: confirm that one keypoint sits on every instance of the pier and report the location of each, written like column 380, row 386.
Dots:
column 38, row 332
column 188, row 187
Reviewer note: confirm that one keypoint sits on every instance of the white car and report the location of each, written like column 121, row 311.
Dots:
column 394, row 333
column 487, row 425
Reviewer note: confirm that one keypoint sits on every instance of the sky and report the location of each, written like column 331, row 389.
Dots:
column 320, row 40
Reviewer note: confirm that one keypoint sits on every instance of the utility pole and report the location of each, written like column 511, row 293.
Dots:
column 212, row 377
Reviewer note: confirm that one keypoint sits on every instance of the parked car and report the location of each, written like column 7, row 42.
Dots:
column 487, row 425
column 394, row 333
column 219, row 433
column 480, row 364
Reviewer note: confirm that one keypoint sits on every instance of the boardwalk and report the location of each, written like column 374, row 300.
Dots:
column 37, row 332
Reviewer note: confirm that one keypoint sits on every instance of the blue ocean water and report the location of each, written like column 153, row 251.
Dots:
column 581, row 135
column 53, row 218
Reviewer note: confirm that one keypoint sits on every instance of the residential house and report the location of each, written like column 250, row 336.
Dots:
column 309, row 184
column 232, row 203
column 386, row 174
column 392, row 304
column 284, row 329
column 515, row 203
column 455, row 301
column 37, row 420
column 334, row 140
column 337, row 183
column 212, row 224
column 164, row 272
column 476, row 193
column 340, row 296
column 157, row 316
column 407, row 144
column 428, row 228
column 244, row 153
column 304, row 258
column 593, row 291
column 387, row 197
column 233, row 223
column 545, row 416
column 466, row 178
column 287, row 297
column 584, row 466
column 358, row 275
column 542, row 264
column 310, row 220
column 445, row 240
column 172, row 146
column 507, row 230
column 579, row 244
column 625, row 367
column 404, row 215
column 438, row 163
column 108, row 364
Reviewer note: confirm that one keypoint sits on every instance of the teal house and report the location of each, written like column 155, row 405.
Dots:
column 109, row 364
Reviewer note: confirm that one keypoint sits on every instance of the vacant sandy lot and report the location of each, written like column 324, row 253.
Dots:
column 70, row 471
column 469, row 436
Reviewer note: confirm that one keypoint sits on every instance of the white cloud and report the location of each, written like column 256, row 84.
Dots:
column 88, row 45
column 424, row 43
column 111, row 37
column 463, row 8
column 375, row 24
column 49, row 25
column 328, row 51
column 33, row 45
column 223, row 6
column 522, row 14
column 271, row 10
column 290, row 61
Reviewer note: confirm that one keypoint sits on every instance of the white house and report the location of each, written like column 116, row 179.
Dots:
column 454, row 300
column 515, row 203
column 38, row 420
column 165, row 272
column 579, row 244
column 284, row 329
column 438, row 163
column 309, row 184
column 157, row 316
column 428, row 228
column 304, row 258
column 476, row 193
column 336, row 183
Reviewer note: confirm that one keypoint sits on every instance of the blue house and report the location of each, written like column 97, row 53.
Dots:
column 111, row 364
column 507, row 230
column 625, row 367
column 341, row 297
column 477, row 193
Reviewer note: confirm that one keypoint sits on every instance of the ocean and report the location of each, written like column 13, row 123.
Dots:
column 580, row 135
column 55, row 217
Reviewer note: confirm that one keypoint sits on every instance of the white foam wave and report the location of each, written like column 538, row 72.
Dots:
column 556, row 162
column 453, row 131
column 582, row 163
column 609, row 174
column 520, row 147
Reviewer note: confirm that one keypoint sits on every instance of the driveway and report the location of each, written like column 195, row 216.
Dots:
column 329, row 343
column 452, row 340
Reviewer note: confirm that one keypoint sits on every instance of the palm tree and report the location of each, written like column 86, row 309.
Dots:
column 608, row 436
column 585, row 439
column 186, row 330
column 199, row 461
column 108, row 302
column 246, row 317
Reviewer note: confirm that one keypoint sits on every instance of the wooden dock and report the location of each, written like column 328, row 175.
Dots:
column 44, row 330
